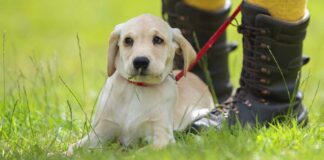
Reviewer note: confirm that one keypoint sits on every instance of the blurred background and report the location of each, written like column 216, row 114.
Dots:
column 47, row 30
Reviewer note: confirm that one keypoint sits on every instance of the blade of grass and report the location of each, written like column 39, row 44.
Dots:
column 305, row 82
column 281, row 73
column 195, row 105
column 294, row 94
column 74, row 96
column 12, row 114
column 71, row 119
column 4, row 68
column 4, row 75
column 79, row 103
column 29, row 113
column 291, row 96
column 85, row 127
column 82, row 69
column 94, row 106
column 316, row 92
column 204, row 66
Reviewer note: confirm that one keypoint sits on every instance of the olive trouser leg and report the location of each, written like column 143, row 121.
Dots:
column 287, row 10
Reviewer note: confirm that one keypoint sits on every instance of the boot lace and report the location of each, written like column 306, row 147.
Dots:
column 255, row 74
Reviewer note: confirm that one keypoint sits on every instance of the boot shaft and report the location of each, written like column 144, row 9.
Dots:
column 192, row 21
column 198, row 26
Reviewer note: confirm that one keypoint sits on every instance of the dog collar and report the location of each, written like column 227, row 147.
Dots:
column 141, row 84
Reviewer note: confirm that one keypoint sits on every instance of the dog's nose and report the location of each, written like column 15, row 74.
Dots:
column 141, row 62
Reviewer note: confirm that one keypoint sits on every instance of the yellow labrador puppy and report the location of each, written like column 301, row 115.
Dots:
column 141, row 98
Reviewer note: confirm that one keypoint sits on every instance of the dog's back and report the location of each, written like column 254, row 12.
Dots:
column 194, row 101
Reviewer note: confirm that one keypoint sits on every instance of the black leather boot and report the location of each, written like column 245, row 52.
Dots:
column 271, row 71
column 198, row 26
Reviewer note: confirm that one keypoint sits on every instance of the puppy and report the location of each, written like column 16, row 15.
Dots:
column 141, row 98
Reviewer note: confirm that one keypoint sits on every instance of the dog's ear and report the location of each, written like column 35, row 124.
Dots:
column 184, row 48
column 113, row 49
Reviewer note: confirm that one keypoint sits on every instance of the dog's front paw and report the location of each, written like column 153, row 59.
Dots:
column 69, row 151
column 159, row 146
column 160, row 143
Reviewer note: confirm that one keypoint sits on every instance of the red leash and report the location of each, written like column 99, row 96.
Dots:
column 211, row 41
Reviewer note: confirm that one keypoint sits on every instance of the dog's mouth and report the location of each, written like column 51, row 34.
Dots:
column 138, row 73
column 143, row 76
column 141, row 72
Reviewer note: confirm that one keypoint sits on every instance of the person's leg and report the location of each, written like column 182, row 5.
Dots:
column 273, row 35
column 198, row 21
column 206, row 5
column 286, row 10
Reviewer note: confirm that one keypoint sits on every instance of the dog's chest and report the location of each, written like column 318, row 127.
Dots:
column 133, row 111
column 137, row 111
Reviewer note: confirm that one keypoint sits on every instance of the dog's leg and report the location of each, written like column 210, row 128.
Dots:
column 162, row 136
column 95, row 138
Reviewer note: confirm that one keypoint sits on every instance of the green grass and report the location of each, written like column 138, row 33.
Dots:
column 45, row 95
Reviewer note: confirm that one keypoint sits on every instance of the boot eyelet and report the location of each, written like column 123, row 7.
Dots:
column 235, row 110
column 264, row 101
column 183, row 18
column 263, row 31
column 264, row 58
column 247, row 103
column 265, row 92
column 265, row 71
column 264, row 81
column 263, row 45
column 184, row 31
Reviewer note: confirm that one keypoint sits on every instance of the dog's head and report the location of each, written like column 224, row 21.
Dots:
column 142, row 49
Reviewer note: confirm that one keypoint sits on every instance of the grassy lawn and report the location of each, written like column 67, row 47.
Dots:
column 46, row 96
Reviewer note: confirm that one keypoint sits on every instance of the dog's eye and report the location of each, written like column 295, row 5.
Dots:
column 129, row 41
column 157, row 40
